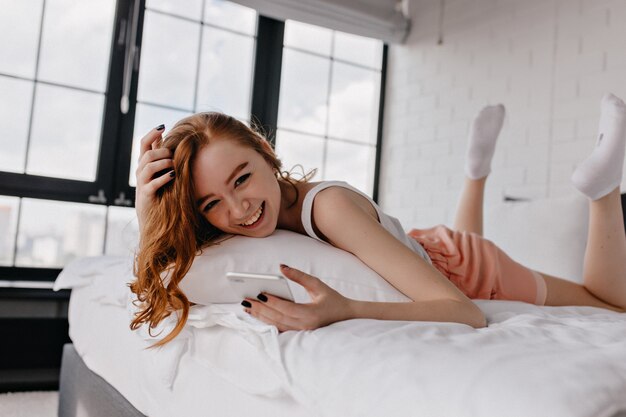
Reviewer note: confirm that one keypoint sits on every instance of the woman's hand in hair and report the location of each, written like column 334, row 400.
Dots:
column 327, row 306
column 154, row 170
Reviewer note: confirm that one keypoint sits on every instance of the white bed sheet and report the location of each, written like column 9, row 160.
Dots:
column 530, row 361
column 101, row 336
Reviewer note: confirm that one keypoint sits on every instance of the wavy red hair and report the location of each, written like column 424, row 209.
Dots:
column 174, row 230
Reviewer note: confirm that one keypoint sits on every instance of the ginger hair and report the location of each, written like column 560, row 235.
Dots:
column 174, row 230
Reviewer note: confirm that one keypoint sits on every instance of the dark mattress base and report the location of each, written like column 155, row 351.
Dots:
column 83, row 393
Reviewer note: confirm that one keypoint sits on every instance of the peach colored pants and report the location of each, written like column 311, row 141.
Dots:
column 478, row 267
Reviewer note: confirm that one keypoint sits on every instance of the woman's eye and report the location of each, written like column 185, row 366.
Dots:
column 242, row 179
column 210, row 205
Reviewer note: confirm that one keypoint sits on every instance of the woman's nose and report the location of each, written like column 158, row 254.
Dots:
column 240, row 208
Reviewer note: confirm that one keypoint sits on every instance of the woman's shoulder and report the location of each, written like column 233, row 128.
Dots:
column 336, row 194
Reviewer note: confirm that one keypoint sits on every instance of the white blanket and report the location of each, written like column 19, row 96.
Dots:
column 530, row 361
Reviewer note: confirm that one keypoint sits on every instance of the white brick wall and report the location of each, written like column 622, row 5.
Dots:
column 548, row 61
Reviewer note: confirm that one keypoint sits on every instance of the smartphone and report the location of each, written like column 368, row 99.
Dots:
column 249, row 285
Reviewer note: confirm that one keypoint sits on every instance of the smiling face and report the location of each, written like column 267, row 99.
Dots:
column 235, row 189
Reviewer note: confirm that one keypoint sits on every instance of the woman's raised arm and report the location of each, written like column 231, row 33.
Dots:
column 151, row 162
column 348, row 226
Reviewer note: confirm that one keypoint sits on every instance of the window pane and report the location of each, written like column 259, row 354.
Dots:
column 8, row 224
column 148, row 117
column 354, row 102
column 52, row 233
column 122, row 231
column 352, row 163
column 19, row 36
column 303, row 92
column 358, row 49
column 15, row 102
column 231, row 16
column 76, row 42
column 294, row 148
column 65, row 136
column 308, row 37
column 169, row 59
column 225, row 72
column 189, row 8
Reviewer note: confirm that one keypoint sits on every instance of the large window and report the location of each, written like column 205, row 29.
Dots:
column 53, row 80
column 82, row 81
column 329, row 103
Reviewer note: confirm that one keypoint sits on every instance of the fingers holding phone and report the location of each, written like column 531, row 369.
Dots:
column 326, row 306
column 266, row 297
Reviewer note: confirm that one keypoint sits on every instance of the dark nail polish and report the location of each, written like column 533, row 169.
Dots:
column 246, row 304
column 284, row 266
column 161, row 173
column 262, row 297
column 160, row 127
column 172, row 174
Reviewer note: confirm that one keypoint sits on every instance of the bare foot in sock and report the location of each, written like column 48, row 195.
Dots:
column 482, row 141
column 601, row 172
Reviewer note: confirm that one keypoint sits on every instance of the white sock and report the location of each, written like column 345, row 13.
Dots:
column 482, row 141
column 601, row 172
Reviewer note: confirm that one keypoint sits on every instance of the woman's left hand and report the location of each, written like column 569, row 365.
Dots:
column 327, row 305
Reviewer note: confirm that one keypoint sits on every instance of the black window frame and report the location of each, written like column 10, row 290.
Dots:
column 115, row 151
column 101, row 190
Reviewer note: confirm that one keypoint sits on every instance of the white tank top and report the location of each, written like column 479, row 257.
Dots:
column 391, row 224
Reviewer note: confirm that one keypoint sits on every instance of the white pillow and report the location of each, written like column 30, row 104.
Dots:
column 547, row 235
column 81, row 272
column 206, row 282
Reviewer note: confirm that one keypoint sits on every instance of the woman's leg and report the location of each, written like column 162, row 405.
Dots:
column 562, row 292
column 599, row 177
column 481, row 145
column 604, row 270
column 469, row 213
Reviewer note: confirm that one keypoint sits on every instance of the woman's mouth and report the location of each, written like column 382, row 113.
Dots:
column 255, row 219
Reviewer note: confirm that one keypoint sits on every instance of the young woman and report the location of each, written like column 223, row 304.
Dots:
column 223, row 178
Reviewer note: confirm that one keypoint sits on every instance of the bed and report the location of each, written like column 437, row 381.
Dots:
column 530, row 360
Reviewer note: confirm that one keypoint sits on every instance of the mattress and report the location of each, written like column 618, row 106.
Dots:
column 100, row 332
column 530, row 360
